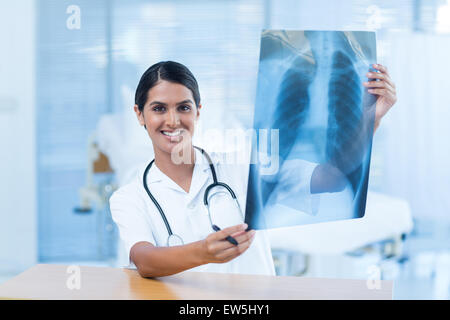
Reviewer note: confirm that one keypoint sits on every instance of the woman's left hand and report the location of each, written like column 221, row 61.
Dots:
column 384, row 89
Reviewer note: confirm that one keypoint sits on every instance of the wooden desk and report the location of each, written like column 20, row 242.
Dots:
column 50, row 282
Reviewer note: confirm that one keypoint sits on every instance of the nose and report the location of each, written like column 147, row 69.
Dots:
column 172, row 119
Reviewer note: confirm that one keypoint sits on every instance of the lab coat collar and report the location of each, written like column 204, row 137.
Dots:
column 200, row 175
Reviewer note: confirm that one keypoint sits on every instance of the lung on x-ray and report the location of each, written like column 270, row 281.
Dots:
column 314, row 123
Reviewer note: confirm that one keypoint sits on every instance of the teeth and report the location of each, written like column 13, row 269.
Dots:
column 172, row 134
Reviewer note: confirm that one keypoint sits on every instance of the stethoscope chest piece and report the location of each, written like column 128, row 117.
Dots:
column 174, row 240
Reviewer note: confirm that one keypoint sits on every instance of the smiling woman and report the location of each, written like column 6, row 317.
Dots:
column 167, row 104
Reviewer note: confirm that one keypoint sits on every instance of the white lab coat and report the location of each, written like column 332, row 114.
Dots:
column 138, row 219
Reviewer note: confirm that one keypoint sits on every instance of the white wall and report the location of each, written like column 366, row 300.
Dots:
column 18, row 211
column 417, row 152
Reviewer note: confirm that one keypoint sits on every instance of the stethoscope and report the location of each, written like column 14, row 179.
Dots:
column 174, row 239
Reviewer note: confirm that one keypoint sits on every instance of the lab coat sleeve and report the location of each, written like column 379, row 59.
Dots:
column 129, row 215
column 293, row 186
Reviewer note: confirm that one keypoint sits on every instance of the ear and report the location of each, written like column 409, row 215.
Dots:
column 198, row 112
column 139, row 115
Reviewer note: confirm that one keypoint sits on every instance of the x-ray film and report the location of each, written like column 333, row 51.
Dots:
column 314, row 123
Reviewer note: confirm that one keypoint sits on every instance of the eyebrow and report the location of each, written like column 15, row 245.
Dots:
column 165, row 104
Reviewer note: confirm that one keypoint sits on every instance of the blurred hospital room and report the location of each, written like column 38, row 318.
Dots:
column 69, row 136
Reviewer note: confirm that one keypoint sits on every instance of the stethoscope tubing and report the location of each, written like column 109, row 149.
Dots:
column 205, row 198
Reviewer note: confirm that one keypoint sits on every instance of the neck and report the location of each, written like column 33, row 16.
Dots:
column 164, row 162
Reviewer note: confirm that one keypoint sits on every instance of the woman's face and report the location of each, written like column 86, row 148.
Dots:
column 170, row 115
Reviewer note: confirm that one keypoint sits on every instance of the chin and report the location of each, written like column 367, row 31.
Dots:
column 170, row 148
column 166, row 148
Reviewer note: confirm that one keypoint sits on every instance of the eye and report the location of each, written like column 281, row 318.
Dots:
column 184, row 108
column 159, row 109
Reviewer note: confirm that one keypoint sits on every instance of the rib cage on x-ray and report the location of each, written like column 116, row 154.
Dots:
column 292, row 107
column 344, row 118
column 293, row 103
column 310, row 89
column 344, row 112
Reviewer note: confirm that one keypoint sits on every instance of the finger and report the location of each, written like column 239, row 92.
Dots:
column 378, row 84
column 381, row 68
column 240, row 237
column 381, row 92
column 375, row 75
column 245, row 236
column 239, row 233
column 388, row 80
column 381, row 77
column 384, row 70
column 383, row 74
column 235, row 251
column 222, row 234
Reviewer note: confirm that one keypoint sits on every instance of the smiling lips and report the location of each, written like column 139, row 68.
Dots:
column 171, row 133
column 173, row 136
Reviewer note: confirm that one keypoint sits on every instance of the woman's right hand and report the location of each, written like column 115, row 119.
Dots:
column 216, row 249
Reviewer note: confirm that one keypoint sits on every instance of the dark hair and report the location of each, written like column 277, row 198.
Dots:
column 165, row 70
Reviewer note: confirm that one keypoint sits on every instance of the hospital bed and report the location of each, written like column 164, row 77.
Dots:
column 119, row 144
